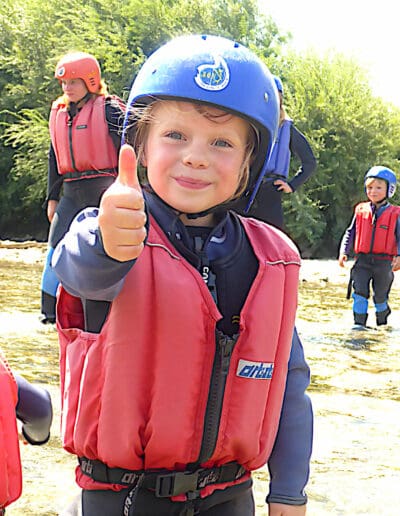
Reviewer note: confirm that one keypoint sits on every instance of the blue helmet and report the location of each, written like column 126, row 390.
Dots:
column 383, row 173
column 278, row 84
column 216, row 71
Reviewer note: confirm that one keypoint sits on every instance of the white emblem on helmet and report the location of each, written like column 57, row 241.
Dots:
column 213, row 76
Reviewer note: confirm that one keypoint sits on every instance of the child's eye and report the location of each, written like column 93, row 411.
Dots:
column 175, row 135
column 222, row 143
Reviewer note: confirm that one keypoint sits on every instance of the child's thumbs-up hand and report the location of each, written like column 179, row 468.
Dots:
column 122, row 217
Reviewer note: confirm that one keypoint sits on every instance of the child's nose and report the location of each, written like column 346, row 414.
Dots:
column 196, row 157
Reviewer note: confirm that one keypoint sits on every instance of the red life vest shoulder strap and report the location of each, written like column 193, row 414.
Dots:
column 395, row 209
column 56, row 105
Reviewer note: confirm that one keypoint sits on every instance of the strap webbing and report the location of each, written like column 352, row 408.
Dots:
column 71, row 176
column 164, row 483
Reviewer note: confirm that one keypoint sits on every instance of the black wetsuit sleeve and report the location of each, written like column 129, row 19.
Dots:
column 54, row 179
column 301, row 149
column 115, row 120
column 34, row 409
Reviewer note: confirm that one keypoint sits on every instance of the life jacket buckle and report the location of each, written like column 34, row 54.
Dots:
column 176, row 483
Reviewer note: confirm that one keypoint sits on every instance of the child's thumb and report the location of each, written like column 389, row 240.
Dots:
column 127, row 169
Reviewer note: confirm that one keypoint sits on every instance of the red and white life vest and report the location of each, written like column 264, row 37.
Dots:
column 383, row 233
column 10, row 461
column 83, row 145
column 135, row 395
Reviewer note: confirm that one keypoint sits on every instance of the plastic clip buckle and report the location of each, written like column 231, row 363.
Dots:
column 176, row 483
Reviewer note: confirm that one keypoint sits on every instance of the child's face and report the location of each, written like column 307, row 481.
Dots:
column 194, row 162
column 74, row 89
column 376, row 190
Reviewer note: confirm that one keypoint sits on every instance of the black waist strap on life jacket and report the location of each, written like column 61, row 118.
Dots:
column 165, row 483
column 73, row 176
column 371, row 257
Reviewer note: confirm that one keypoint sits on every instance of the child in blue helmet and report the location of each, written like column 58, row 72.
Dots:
column 181, row 369
column 374, row 233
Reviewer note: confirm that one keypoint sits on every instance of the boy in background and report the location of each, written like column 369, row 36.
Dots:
column 374, row 233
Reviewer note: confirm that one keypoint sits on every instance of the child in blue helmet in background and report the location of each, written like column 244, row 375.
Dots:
column 181, row 369
column 374, row 233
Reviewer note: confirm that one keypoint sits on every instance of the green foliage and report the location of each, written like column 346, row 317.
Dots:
column 121, row 34
column 328, row 97
column 26, row 186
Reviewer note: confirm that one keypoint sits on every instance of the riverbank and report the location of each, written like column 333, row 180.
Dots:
column 355, row 392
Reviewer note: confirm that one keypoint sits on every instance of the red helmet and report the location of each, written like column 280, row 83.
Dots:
column 79, row 65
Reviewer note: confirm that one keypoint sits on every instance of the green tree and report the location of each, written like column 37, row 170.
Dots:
column 121, row 34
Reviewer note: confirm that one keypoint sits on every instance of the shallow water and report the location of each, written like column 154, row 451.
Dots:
column 354, row 388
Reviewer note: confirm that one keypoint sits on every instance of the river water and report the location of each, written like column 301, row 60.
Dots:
column 355, row 389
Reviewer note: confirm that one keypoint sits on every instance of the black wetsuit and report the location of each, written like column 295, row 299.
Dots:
column 34, row 409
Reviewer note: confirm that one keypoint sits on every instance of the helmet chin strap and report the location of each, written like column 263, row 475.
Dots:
column 73, row 106
column 85, row 98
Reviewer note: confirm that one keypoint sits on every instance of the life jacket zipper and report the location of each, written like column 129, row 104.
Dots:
column 69, row 123
column 374, row 220
column 222, row 358
column 224, row 345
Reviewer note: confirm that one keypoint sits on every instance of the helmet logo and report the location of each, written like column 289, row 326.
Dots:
column 213, row 76
column 61, row 71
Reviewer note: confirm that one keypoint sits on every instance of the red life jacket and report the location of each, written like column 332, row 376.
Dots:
column 135, row 395
column 382, row 240
column 10, row 461
column 84, row 148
